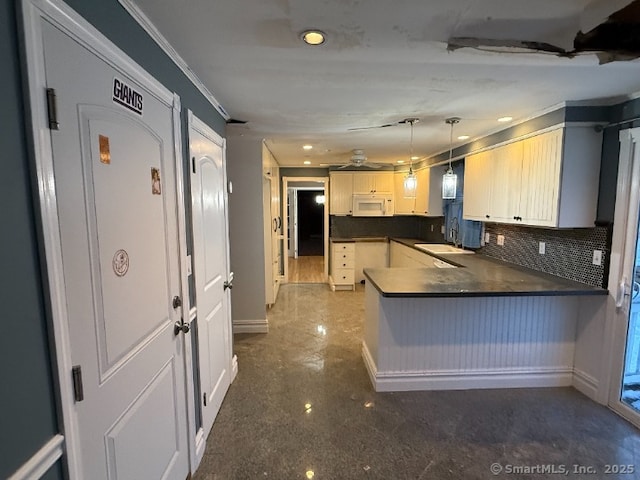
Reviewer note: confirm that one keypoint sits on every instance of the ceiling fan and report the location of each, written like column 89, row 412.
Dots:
column 358, row 159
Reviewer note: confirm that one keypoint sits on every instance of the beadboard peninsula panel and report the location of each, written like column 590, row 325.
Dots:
column 462, row 343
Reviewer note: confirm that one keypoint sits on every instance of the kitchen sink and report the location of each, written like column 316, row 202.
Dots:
column 441, row 248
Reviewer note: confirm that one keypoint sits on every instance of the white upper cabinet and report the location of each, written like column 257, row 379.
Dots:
column 402, row 205
column 477, row 187
column 373, row 182
column 340, row 193
column 429, row 192
column 547, row 180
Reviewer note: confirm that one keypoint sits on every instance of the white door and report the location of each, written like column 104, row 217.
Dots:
column 211, row 267
column 624, row 280
column 114, row 162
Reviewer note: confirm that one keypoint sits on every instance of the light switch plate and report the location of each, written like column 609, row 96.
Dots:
column 597, row 257
column 542, row 248
column 487, row 238
column 442, row 229
column 500, row 240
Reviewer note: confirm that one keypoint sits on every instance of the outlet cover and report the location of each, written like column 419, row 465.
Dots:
column 487, row 237
column 500, row 240
column 542, row 248
column 597, row 257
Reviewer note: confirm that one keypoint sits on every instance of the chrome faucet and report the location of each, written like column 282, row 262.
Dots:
column 455, row 230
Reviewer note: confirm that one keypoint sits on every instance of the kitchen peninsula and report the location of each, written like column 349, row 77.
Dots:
column 486, row 324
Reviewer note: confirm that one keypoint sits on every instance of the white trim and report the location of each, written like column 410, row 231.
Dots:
column 251, row 326
column 285, row 222
column 625, row 226
column 164, row 44
column 585, row 383
column 42, row 461
column 234, row 368
column 464, row 380
column 190, row 398
column 60, row 15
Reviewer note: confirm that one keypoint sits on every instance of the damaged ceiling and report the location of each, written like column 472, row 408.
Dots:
column 386, row 61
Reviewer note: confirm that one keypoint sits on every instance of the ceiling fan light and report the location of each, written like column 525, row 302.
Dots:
column 449, row 184
column 410, row 184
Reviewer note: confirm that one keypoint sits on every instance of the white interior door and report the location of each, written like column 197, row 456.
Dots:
column 114, row 166
column 211, row 267
column 623, row 281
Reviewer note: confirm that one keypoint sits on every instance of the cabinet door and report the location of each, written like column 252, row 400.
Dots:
column 340, row 193
column 403, row 206
column 506, row 181
column 422, row 191
column 541, row 179
column 383, row 182
column 364, row 183
column 477, row 187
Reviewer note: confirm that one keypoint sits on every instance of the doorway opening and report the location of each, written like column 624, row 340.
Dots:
column 306, row 229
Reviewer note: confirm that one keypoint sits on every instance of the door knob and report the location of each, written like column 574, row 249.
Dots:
column 177, row 302
column 180, row 327
column 228, row 285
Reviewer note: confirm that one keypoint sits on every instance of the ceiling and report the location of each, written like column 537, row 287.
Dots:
column 385, row 61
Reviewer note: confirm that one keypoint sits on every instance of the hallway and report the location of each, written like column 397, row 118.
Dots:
column 302, row 407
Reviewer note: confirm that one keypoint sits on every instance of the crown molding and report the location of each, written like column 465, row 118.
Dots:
column 148, row 26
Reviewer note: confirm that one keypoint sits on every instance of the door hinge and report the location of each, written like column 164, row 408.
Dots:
column 204, row 399
column 52, row 109
column 193, row 164
column 78, row 389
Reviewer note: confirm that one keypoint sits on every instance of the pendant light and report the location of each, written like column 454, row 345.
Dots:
column 410, row 181
column 450, row 179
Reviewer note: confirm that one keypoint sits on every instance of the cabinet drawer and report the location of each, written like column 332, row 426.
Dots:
column 341, row 262
column 344, row 248
column 343, row 276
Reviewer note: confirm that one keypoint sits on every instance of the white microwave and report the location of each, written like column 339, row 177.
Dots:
column 372, row 205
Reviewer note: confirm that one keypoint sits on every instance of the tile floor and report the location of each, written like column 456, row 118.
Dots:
column 302, row 408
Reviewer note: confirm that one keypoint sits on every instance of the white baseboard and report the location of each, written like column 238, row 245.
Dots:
column 251, row 326
column 464, row 379
column 585, row 383
column 42, row 461
column 234, row 368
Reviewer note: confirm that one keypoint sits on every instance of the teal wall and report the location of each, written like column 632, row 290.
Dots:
column 28, row 413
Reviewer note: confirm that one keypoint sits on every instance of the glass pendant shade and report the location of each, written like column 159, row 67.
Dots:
column 449, row 184
column 410, row 184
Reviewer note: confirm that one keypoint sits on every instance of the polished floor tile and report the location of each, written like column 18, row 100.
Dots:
column 302, row 407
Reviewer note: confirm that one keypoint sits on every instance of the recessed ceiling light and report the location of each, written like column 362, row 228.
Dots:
column 307, row 147
column 313, row 37
column 463, row 137
column 307, row 162
column 415, row 157
column 400, row 161
column 505, row 119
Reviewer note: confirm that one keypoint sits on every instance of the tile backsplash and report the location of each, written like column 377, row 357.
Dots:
column 568, row 253
column 424, row 228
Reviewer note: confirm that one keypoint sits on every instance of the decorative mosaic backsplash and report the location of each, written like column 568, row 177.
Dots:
column 568, row 253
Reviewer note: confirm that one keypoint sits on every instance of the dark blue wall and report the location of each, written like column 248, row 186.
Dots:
column 28, row 411
column 28, row 408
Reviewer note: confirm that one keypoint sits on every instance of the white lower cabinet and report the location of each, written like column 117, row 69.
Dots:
column 402, row 256
column 342, row 266
column 370, row 255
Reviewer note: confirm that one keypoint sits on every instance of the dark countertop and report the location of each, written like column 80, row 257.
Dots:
column 358, row 239
column 478, row 276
